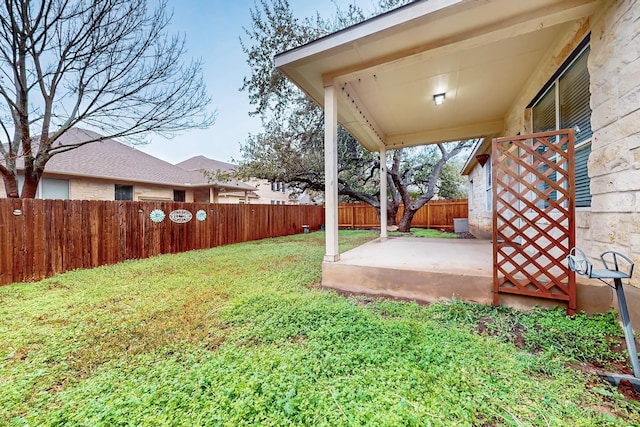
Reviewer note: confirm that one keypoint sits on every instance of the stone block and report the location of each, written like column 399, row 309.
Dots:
column 604, row 114
column 602, row 184
column 583, row 219
column 628, row 180
column 629, row 103
column 602, row 50
column 629, row 77
column 613, row 202
column 629, row 223
column 601, row 93
column 634, row 242
column 604, row 228
column 608, row 159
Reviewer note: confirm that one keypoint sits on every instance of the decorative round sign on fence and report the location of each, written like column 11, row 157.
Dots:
column 201, row 215
column 180, row 216
column 157, row 215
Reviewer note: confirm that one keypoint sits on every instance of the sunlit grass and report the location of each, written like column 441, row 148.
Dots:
column 242, row 335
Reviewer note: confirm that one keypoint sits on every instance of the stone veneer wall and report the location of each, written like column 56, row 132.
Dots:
column 480, row 219
column 144, row 192
column 614, row 164
column 613, row 221
column 82, row 189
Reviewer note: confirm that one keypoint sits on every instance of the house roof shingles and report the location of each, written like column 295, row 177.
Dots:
column 198, row 163
column 112, row 160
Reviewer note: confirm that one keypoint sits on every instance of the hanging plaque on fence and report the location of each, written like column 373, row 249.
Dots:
column 180, row 216
column 201, row 215
column 156, row 215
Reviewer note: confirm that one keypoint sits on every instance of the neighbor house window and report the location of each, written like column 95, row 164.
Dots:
column 54, row 188
column 124, row 192
column 565, row 105
column 277, row 186
column 49, row 188
column 179, row 195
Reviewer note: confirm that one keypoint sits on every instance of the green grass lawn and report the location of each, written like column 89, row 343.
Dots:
column 425, row 232
column 243, row 335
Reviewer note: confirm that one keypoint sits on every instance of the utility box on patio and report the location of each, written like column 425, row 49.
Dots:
column 460, row 225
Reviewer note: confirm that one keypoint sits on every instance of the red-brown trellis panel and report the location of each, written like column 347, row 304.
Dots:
column 534, row 216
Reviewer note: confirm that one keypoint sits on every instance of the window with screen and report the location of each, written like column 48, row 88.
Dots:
column 124, row 192
column 179, row 195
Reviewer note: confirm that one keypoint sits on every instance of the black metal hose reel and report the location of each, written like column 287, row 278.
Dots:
column 615, row 267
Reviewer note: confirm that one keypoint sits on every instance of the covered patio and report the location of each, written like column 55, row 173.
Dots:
column 428, row 72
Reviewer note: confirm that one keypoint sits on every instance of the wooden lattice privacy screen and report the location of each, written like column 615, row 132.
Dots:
column 533, row 216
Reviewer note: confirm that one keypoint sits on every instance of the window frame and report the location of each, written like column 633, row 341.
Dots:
column 488, row 178
column 123, row 186
column 554, row 85
column 179, row 195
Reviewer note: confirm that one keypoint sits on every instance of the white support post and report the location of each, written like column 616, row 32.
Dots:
column 331, row 173
column 383, row 193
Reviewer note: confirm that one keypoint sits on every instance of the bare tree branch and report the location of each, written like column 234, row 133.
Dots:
column 108, row 65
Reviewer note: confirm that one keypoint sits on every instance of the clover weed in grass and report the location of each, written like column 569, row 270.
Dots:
column 239, row 335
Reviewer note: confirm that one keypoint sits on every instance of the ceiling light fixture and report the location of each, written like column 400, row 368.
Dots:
column 438, row 98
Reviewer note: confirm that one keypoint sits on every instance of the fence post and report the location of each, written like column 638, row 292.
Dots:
column 353, row 216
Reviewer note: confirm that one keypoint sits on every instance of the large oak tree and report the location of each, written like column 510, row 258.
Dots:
column 291, row 146
column 108, row 65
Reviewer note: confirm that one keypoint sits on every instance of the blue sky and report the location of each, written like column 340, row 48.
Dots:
column 212, row 29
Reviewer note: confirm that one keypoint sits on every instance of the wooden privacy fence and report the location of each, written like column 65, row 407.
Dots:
column 437, row 214
column 39, row 238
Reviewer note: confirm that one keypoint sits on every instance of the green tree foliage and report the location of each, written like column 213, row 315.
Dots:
column 108, row 65
column 291, row 146
column 452, row 184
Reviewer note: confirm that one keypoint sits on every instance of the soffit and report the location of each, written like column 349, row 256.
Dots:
column 480, row 53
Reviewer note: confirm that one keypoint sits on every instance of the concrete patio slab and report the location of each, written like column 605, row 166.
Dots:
column 428, row 270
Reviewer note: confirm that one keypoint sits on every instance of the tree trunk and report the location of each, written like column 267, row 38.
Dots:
column 392, row 214
column 11, row 186
column 404, row 225
column 29, row 188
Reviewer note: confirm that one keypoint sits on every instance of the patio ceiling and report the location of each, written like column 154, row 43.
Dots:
column 480, row 53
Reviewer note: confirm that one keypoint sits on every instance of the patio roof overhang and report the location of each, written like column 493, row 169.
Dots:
column 480, row 53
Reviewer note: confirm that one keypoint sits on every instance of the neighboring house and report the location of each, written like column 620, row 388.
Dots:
column 110, row 170
column 265, row 192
